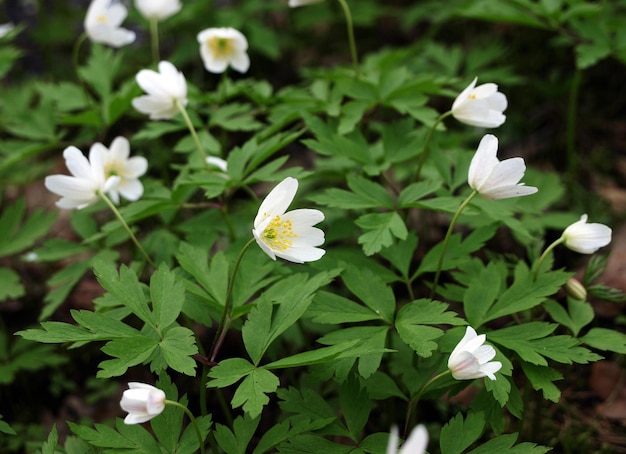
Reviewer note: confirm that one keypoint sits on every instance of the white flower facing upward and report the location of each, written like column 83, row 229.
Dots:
column 116, row 162
column 142, row 402
column 87, row 183
column 586, row 238
column 220, row 47
column 480, row 106
column 103, row 20
column 296, row 3
column 290, row 235
column 164, row 89
column 494, row 179
column 415, row 444
column 471, row 359
column 158, row 9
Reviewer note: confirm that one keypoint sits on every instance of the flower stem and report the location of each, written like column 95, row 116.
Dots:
column 414, row 401
column 194, row 134
column 226, row 314
column 350, row 27
column 192, row 419
column 425, row 149
column 545, row 254
column 154, row 39
column 119, row 217
column 444, row 246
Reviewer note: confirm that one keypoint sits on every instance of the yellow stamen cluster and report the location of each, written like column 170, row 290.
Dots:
column 277, row 235
column 113, row 168
column 102, row 18
column 220, row 47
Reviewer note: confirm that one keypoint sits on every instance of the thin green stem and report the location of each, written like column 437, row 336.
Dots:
column 351, row 40
column 425, row 148
column 154, row 39
column 191, row 418
column 545, row 254
column 444, row 246
column 75, row 54
column 226, row 319
column 119, row 217
column 192, row 130
column 414, row 401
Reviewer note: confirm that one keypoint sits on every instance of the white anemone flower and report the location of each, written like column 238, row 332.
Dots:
column 217, row 162
column 103, row 20
column 142, row 402
column 471, row 359
column 290, row 235
column 164, row 89
column 220, row 47
column 296, row 3
column 87, row 183
column 494, row 179
column 586, row 238
column 480, row 106
column 415, row 444
column 5, row 29
column 116, row 162
column 158, row 9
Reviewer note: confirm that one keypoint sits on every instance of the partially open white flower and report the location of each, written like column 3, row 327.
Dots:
column 103, row 20
column 471, row 359
column 142, row 402
column 296, row 3
column 159, row 9
column 415, row 444
column 291, row 235
column 220, row 47
column 480, row 106
column 494, row 179
column 116, row 162
column 6, row 28
column 586, row 238
column 163, row 89
column 87, row 183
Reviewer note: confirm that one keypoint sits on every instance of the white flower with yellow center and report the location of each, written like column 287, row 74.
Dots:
column 116, row 162
column 290, row 235
column 158, row 9
column 480, row 106
column 220, row 47
column 163, row 90
column 103, row 20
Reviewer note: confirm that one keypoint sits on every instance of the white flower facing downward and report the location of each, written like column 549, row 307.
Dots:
column 494, row 179
column 158, row 9
column 116, row 162
column 296, row 3
column 290, row 235
column 220, row 47
column 103, row 20
column 142, row 402
column 87, row 183
column 471, row 359
column 586, row 238
column 480, row 106
column 163, row 89
column 415, row 444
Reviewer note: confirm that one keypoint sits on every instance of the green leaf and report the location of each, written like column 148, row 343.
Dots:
column 371, row 290
column 355, row 405
column 234, row 117
column 228, row 372
column 542, row 379
column 321, row 355
column 127, row 352
column 482, row 292
column 330, row 308
column 458, row 433
column 252, row 392
column 416, row 191
column 10, row 285
column 16, row 233
column 214, row 279
column 605, row 340
column 505, row 443
column 401, row 253
column 167, row 295
column 131, row 437
column 5, row 428
column 101, row 68
column 306, row 402
column 49, row 446
column 381, row 229
column 237, row 442
column 578, row 315
column 177, row 347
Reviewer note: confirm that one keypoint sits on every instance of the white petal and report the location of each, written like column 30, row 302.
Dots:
column 157, row 108
column 490, row 369
column 264, row 247
column 417, row 441
column 392, row 444
column 505, row 173
column 464, row 95
column 120, row 148
column 301, row 254
column 240, row 62
column 277, row 201
column 131, row 189
column 483, row 162
column 506, row 192
column 485, row 90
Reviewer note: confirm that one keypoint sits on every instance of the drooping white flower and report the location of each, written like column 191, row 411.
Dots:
column 290, row 235
column 158, row 9
column 116, row 162
column 494, row 179
column 163, row 89
column 142, row 402
column 87, row 183
column 415, row 444
column 217, row 162
column 220, row 47
column 480, row 106
column 6, row 28
column 103, row 21
column 586, row 238
column 471, row 359
column 296, row 3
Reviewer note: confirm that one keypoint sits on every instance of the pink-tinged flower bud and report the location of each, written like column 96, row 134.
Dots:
column 142, row 402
